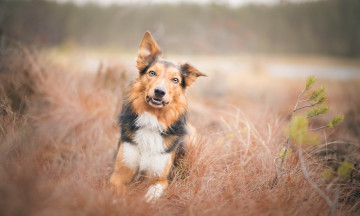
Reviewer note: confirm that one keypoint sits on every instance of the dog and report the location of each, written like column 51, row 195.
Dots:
column 153, row 120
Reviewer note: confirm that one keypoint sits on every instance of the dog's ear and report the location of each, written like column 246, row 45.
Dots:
column 148, row 52
column 189, row 75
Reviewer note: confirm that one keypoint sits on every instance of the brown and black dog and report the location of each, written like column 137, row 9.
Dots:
column 153, row 120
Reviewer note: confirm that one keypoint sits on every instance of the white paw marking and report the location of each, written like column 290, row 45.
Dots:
column 154, row 192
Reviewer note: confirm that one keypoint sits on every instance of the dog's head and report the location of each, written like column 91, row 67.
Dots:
column 161, row 83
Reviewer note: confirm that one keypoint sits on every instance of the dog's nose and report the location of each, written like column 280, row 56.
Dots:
column 160, row 91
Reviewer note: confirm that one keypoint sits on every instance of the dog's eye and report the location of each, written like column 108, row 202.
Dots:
column 175, row 80
column 152, row 73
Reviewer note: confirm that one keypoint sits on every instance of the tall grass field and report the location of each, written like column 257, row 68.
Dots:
column 59, row 133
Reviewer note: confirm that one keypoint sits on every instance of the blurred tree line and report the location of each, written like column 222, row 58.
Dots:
column 323, row 27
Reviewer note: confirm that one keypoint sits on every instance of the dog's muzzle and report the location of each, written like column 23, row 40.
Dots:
column 157, row 102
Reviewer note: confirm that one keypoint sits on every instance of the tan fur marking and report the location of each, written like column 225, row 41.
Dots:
column 148, row 51
column 122, row 174
column 169, row 140
column 128, row 133
column 191, row 74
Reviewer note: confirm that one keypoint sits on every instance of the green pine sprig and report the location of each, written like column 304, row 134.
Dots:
column 316, row 111
column 335, row 121
column 309, row 82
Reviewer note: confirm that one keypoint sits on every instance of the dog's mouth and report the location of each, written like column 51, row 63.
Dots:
column 156, row 102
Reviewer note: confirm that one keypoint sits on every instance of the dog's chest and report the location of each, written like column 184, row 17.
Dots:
column 147, row 153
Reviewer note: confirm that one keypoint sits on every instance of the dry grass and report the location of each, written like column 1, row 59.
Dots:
column 59, row 137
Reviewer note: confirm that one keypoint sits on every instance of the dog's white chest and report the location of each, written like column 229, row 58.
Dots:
column 147, row 154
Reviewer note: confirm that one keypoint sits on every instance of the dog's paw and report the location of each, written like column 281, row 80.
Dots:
column 154, row 192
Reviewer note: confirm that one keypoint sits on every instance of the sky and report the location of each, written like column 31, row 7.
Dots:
column 234, row 3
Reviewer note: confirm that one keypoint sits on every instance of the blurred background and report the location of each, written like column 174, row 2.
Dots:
column 286, row 38
column 327, row 27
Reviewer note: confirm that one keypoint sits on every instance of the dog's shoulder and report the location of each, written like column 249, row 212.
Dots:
column 127, row 115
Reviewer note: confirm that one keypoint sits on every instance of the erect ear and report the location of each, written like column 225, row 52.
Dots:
column 189, row 75
column 148, row 52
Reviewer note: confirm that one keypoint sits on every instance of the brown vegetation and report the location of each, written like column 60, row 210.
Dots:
column 59, row 138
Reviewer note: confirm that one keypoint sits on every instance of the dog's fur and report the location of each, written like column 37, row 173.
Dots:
column 153, row 120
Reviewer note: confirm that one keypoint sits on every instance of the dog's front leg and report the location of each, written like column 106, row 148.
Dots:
column 161, row 183
column 156, row 190
column 122, row 174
